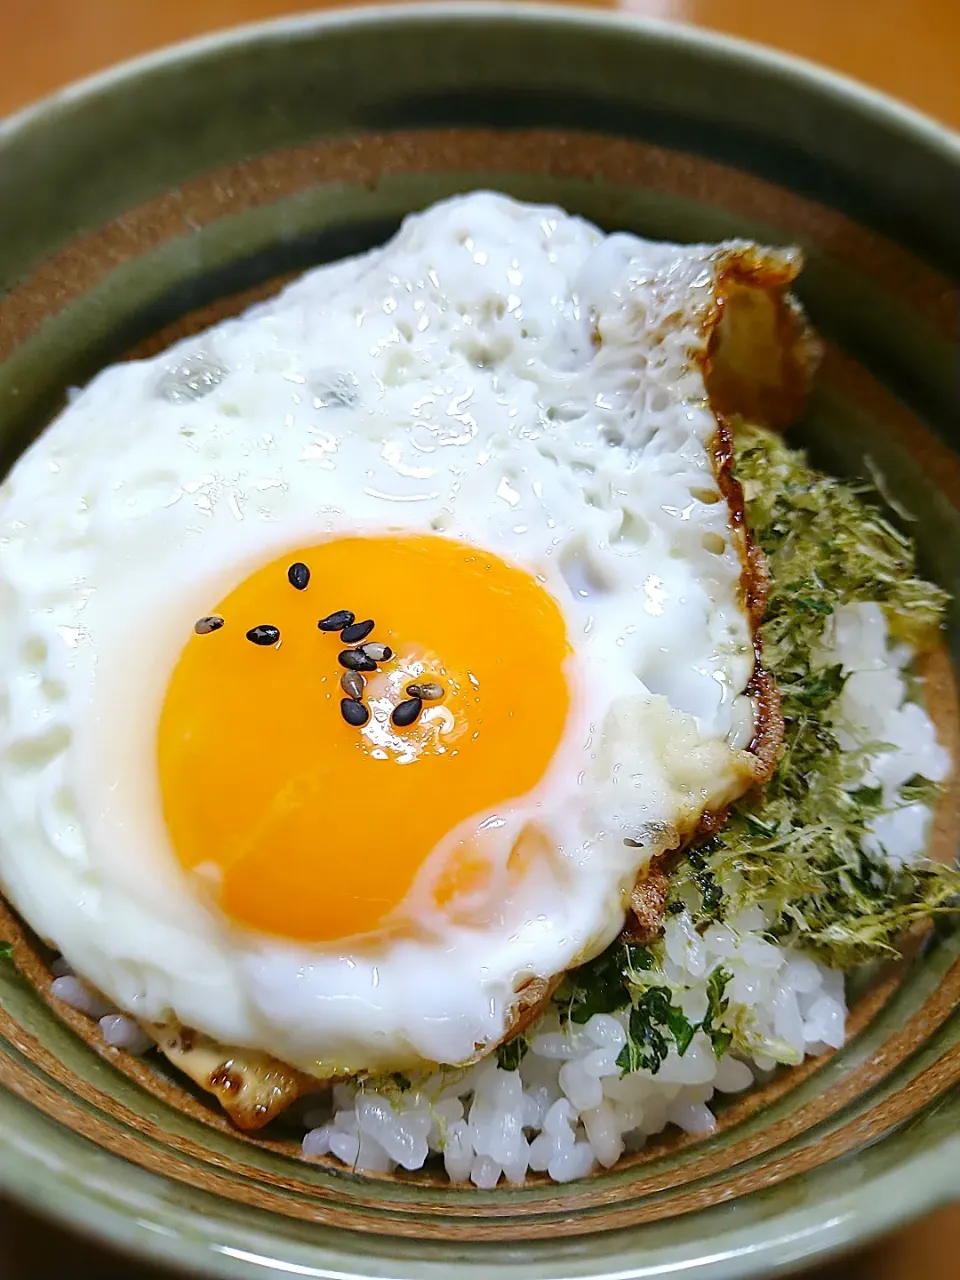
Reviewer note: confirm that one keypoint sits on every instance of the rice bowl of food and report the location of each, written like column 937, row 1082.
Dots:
column 480, row 728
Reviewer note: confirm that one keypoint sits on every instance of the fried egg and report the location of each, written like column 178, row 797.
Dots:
column 492, row 438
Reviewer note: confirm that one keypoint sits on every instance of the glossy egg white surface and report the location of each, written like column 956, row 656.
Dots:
column 500, row 374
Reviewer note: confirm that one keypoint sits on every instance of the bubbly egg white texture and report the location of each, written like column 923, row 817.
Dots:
column 498, row 373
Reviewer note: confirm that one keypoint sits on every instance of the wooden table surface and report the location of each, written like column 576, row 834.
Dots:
column 910, row 48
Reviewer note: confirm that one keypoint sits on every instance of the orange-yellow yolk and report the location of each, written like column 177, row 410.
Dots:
column 310, row 828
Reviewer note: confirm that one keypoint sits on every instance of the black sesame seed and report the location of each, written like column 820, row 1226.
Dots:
column 298, row 575
column 356, row 660
column 352, row 682
column 336, row 621
column 203, row 626
column 263, row 635
column 354, row 632
column 378, row 652
column 429, row 691
column 354, row 712
column 405, row 713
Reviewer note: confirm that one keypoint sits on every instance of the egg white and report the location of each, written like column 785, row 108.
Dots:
column 499, row 373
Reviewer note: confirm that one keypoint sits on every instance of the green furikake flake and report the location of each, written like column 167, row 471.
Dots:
column 627, row 976
column 6, row 950
column 511, row 1054
column 717, row 1006
column 654, row 1021
column 795, row 847
column 604, row 984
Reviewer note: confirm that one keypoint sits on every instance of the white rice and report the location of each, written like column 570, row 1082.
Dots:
column 118, row 1030
column 874, row 708
column 567, row 1109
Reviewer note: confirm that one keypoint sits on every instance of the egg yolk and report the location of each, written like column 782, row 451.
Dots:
column 309, row 827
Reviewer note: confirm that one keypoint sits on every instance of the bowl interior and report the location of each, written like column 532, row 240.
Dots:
column 198, row 182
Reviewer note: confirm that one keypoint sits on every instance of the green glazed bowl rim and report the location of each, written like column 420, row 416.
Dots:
column 95, row 1201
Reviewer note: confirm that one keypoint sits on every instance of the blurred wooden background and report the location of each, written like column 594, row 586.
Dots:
column 909, row 48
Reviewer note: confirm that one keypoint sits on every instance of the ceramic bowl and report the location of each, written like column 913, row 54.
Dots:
column 149, row 201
